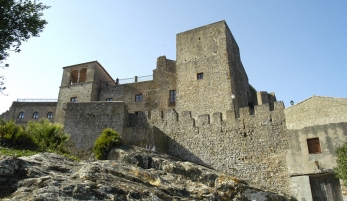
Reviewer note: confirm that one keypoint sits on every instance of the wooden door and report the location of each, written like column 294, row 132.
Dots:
column 325, row 188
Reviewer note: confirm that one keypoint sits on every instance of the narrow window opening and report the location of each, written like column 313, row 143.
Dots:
column 83, row 75
column 200, row 76
column 35, row 115
column 109, row 99
column 138, row 97
column 74, row 77
column 313, row 146
column 50, row 115
column 172, row 97
column 21, row 115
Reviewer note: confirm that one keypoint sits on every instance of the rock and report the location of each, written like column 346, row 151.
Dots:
column 131, row 173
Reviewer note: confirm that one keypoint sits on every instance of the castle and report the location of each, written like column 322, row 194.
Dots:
column 201, row 108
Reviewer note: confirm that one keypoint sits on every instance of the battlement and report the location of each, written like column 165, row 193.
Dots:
column 260, row 114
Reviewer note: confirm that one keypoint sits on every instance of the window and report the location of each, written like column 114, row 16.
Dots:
column 50, row 115
column 200, row 76
column 109, row 99
column 138, row 97
column 73, row 99
column 172, row 97
column 35, row 115
column 73, row 77
column 83, row 75
column 21, row 115
column 313, row 146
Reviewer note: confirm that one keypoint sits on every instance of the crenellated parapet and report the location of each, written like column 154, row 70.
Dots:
column 261, row 114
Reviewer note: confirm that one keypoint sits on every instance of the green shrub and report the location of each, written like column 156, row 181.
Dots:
column 47, row 135
column 341, row 169
column 105, row 142
column 8, row 132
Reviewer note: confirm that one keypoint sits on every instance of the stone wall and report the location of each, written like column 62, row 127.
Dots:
column 83, row 92
column 316, row 110
column 85, row 122
column 43, row 108
column 81, row 81
column 317, row 117
column 155, row 93
column 210, row 50
column 252, row 147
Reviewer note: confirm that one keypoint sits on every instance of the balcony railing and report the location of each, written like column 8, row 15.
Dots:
column 134, row 79
column 36, row 100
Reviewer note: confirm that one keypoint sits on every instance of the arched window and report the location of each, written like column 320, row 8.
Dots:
column 21, row 115
column 83, row 75
column 74, row 77
column 50, row 115
column 35, row 115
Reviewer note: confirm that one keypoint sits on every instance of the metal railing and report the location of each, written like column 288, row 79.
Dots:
column 36, row 100
column 134, row 79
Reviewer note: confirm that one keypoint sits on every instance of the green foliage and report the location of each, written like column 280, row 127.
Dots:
column 47, row 135
column 18, row 152
column 104, row 143
column 19, row 21
column 42, row 136
column 9, row 132
column 341, row 169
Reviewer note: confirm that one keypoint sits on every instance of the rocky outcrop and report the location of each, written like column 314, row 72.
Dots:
column 131, row 173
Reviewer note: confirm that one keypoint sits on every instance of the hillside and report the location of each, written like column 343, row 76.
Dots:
column 131, row 173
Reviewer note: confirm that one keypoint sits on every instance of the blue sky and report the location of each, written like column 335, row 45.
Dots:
column 293, row 48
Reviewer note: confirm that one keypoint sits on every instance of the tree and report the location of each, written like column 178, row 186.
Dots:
column 341, row 169
column 19, row 21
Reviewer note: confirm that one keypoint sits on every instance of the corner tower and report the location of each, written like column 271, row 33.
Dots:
column 80, row 83
column 209, row 71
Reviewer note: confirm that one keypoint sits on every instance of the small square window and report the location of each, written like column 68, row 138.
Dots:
column 73, row 100
column 200, row 76
column 313, row 146
column 138, row 97
column 109, row 99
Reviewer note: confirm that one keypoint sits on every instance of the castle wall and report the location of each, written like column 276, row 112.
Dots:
column 238, row 76
column 43, row 108
column 85, row 122
column 127, row 92
column 252, row 147
column 84, row 92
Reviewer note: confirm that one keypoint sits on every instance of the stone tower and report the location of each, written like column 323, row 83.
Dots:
column 80, row 83
column 209, row 71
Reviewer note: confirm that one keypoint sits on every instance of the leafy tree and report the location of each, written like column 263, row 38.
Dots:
column 341, row 169
column 104, row 143
column 19, row 21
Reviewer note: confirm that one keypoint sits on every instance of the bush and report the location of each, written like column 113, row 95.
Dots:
column 47, row 135
column 341, row 169
column 105, row 142
column 8, row 132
